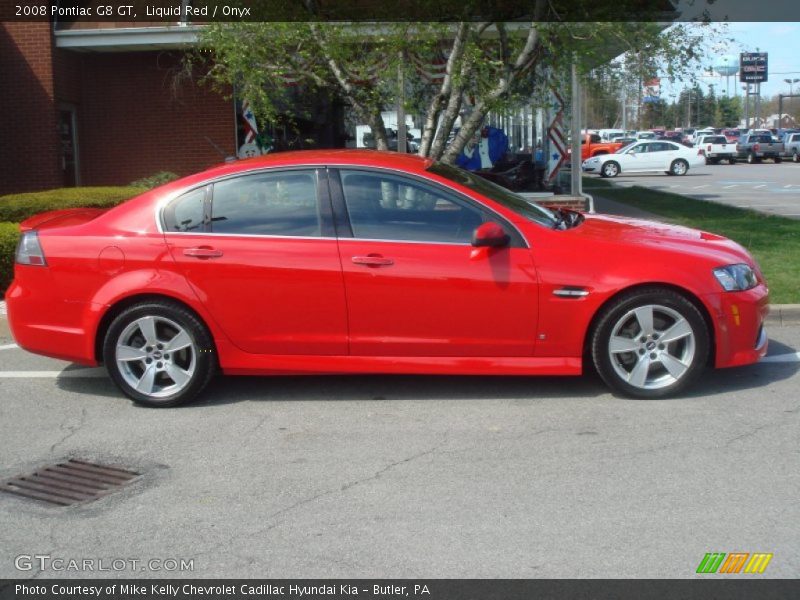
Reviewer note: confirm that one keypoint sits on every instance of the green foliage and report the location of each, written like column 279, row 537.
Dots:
column 9, row 234
column 18, row 207
column 156, row 180
column 773, row 241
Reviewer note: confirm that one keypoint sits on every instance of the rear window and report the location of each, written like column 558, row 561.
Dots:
column 716, row 139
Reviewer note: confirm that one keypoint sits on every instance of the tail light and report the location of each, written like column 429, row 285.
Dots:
column 708, row 148
column 701, row 152
column 756, row 147
column 29, row 250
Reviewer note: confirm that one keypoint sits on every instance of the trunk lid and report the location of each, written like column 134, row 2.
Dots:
column 61, row 218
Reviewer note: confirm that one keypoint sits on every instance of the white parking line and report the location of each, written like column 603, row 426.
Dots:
column 700, row 187
column 92, row 373
column 758, row 187
column 727, row 187
column 8, row 346
column 793, row 357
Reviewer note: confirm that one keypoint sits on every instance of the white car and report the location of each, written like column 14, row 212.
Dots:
column 646, row 156
column 645, row 135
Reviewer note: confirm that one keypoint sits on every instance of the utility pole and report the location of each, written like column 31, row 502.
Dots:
column 401, row 107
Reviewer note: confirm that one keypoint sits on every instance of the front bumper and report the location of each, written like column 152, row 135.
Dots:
column 741, row 337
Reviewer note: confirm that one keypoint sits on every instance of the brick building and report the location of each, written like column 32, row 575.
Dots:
column 101, row 105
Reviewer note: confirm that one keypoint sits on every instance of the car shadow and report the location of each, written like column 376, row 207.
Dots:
column 348, row 388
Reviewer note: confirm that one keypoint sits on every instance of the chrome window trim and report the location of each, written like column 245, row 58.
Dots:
column 161, row 204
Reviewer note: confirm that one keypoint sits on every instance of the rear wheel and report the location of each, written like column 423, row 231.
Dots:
column 610, row 169
column 795, row 156
column 159, row 353
column 778, row 159
column 679, row 167
column 650, row 343
column 732, row 161
column 752, row 159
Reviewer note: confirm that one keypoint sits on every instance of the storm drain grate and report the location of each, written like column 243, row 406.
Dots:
column 69, row 482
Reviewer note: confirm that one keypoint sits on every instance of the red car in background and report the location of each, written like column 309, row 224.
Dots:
column 325, row 262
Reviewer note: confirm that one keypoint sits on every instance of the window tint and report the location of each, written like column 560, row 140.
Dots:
column 717, row 139
column 186, row 212
column 267, row 204
column 640, row 148
column 595, row 139
column 661, row 147
column 387, row 207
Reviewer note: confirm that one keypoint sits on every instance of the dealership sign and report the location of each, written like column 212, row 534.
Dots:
column 753, row 67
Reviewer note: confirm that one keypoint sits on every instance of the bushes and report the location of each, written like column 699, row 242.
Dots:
column 9, row 234
column 156, row 180
column 18, row 207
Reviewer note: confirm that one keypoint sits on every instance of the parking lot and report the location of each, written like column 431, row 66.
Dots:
column 410, row 476
column 766, row 187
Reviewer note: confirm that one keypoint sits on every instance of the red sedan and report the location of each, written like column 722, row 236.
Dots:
column 367, row 262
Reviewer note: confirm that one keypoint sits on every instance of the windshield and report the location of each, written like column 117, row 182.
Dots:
column 533, row 212
column 624, row 149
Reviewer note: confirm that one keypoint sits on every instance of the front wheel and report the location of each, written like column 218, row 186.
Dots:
column 679, row 167
column 777, row 160
column 650, row 343
column 610, row 169
column 159, row 353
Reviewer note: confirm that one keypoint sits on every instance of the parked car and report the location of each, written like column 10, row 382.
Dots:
column 357, row 261
column 645, row 135
column 593, row 145
column 688, row 135
column 792, row 146
column 756, row 146
column 732, row 135
column 716, row 148
column 646, row 156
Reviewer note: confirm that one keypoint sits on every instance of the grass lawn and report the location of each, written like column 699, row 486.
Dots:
column 774, row 241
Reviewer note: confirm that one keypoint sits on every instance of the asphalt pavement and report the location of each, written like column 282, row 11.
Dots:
column 767, row 187
column 438, row 477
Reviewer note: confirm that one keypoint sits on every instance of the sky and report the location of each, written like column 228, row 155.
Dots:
column 781, row 40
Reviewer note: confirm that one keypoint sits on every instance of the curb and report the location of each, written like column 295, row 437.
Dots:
column 783, row 314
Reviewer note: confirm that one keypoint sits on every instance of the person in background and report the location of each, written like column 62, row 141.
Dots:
column 489, row 146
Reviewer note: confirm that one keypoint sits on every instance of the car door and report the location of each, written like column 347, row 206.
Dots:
column 661, row 155
column 638, row 158
column 261, row 254
column 415, row 285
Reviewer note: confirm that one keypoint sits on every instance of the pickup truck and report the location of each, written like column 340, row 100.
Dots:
column 792, row 146
column 593, row 145
column 754, row 147
column 716, row 148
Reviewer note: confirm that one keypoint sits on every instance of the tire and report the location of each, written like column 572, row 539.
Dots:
column 679, row 167
column 650, row 369
column 731, row 161
column 610, row 169
column 778, row 160
column 752, row 159
column 795, row 156
column 138, row 355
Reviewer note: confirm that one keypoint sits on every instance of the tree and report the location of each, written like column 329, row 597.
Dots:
column 490, row 66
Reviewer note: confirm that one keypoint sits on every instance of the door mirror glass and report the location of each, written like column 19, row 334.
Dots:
column 490, row 234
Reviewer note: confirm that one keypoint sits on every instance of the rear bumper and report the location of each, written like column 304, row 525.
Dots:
column 44, row 324
column 741, row 337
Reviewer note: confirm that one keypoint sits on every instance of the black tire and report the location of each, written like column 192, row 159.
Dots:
column 778, row 160
column 610, row 169
column 752, row 159
column 731, row 161
column 646, row 354
column 795, row 156
column 679, row 167
column 189, row 367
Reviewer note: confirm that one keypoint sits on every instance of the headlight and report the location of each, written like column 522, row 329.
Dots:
column 734, row 278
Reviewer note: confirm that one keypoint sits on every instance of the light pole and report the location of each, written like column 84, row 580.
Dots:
column 791, row 82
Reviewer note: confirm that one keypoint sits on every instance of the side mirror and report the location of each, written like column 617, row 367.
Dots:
column 490, row 234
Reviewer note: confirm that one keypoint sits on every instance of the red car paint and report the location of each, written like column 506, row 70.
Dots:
column 277, row 305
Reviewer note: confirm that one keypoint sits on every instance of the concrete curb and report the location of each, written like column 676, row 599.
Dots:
column 783, row 314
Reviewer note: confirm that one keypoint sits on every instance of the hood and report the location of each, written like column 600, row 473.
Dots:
column 663, row 236
column 61, row 218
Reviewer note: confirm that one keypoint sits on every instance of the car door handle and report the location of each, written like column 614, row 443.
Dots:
column 202, row 252
column 372, row 260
